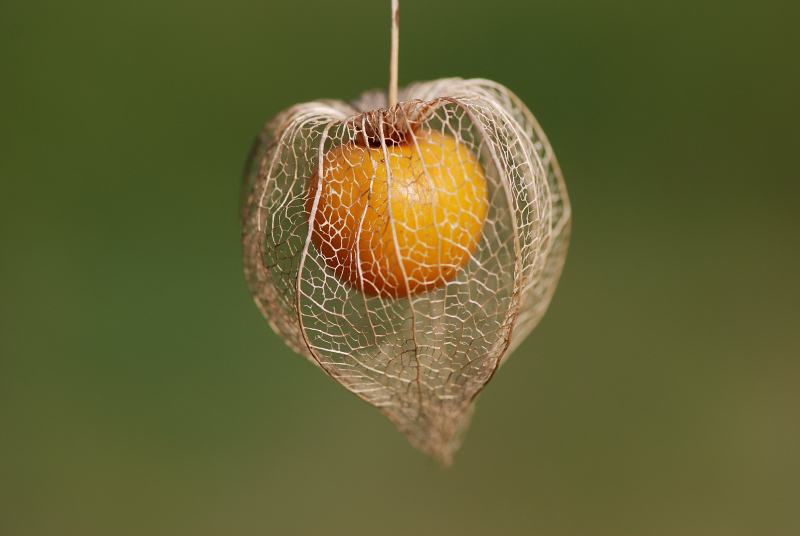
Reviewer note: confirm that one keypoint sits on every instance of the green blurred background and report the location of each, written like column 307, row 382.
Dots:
column 142, row 393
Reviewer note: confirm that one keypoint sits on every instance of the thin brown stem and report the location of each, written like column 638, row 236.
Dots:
column 395, row 52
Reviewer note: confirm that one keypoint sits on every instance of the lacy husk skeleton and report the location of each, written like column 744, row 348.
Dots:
column 421, row 357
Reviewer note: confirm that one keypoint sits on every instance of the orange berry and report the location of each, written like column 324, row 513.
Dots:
column 409, row 225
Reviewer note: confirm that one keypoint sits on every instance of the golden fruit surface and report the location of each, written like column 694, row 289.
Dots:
column 400, row 228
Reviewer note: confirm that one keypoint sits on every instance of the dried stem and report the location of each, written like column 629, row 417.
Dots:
column 394, row 53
